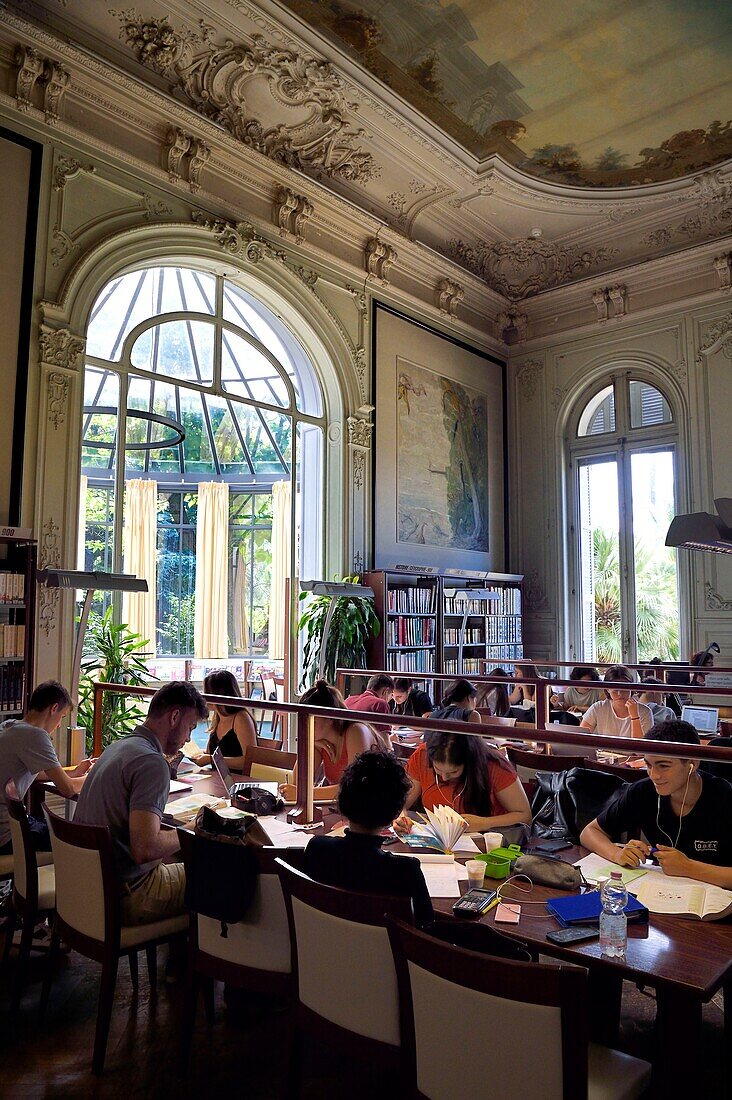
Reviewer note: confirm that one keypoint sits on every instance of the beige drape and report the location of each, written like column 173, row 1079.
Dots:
column 240, row 626
column 81, row 545
column 139, row 539
column 212, row 560
column 281, row 536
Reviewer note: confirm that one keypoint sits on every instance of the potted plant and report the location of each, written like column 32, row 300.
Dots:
column 114, row 655
column 353, row 622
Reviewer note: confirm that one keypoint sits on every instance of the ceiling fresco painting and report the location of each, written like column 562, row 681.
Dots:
column 590, row 94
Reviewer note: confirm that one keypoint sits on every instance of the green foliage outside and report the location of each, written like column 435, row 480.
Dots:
column 113, row 655
column 656, row 606
column 354, row 622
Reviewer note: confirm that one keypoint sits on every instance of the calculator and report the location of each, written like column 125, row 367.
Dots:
column 474, row 903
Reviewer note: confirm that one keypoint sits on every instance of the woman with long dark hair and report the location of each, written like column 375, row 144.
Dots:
column 459, row 703
column 495, row 696
column 462, row 771
column 231, row 729
column 524, row 695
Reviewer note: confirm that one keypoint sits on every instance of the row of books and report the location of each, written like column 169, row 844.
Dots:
column 472, row 666
column 508, row 603
column 501, row 654
column 12, row 687
column 12, row 587
column 410, row 632
column 12, row 640
column 473, row 636
column 420, row 660
column 501, row 630
column 411, row 600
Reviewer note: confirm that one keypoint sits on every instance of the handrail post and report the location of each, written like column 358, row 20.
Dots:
column 540, row 689
column 305, row 812
column 97, row 744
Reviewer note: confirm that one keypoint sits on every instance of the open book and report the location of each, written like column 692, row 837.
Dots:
column 441, row 829
column 184, row 810
column 682, row 897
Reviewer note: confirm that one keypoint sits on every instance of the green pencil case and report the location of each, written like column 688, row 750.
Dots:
column 499, row 862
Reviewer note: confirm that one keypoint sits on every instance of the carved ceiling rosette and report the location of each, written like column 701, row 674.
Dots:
column 58, row 347
column 239, row 84
column 519, row 269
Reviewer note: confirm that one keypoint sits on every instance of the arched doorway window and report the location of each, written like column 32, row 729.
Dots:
column 623, row 456
column 194, row 385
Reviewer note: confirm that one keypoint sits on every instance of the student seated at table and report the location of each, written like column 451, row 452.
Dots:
column 231, row 729
column 654, row 700
column 524, row 695
column 410, row 700
column 459, row 703
column 372, row 793
column 619, row 714
column 684, row 815
column 576, row 697
column 27, row 753
column 494, row 697
column 127, row 791
column 462, row 771
column 375, row 699
column 338, row 741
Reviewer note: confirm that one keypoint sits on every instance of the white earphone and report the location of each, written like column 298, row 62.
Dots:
column 673, row 843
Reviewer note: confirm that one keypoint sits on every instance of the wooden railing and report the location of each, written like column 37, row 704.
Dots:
column 305, row 810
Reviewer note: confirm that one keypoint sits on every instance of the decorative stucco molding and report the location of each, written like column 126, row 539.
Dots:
column 291, row 213
column 49, row 557
column 359, row 432
column 379, row 259
column 359, row 469
column 58, row 347
column 58, row 393
column 449, row 295
column 528, row 376
column 723, row 268
column 34, row 72
column 535, row 597
column 713, row 601
column 180, row 149
column 307, row 124
column 718, row 338
column 513, row 326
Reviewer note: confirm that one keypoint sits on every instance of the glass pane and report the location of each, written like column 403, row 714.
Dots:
column 99, row 420
column 197, row 446
column 131, row 299
column 600, row 562
column 599, row 414
column 176, row 577
column 647, row 406
column 267, row 438
column 656, row 582
column 247, row 373
column 179, row 349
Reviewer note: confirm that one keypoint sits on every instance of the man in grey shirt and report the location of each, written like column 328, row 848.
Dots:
column 27, row 753
column 127, row 791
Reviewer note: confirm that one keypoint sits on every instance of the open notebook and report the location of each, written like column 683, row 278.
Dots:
column 682, row 897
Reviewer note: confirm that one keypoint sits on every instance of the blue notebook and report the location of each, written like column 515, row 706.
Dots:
column 586, row 908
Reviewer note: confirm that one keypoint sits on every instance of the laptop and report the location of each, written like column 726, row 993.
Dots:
column 590, row 753
column 703, row 719
column 232, row 787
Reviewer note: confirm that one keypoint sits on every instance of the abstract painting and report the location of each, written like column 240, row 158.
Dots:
column 442, row 471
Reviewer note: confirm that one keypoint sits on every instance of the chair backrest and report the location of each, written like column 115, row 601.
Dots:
column 527, row 764
column 457, row 1000
column 270, row 774
column 274, row 758
column 630, row 775
column 268, row 686
column 490, row 719
column 269, row 742
column 87, row 890
column 261, row 941
column 25, row 871
column 341, row 959
column 279, row 687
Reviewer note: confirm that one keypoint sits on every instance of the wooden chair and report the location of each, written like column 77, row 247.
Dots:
column 34, row 889
column 547, row 1002
column 343, row 972
column 88, row 917
column 630, row 775
column 272, row 687
column 254, row 955
column 489, row 719
column 272, row 758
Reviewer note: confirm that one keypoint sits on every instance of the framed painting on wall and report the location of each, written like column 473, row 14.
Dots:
column 439, row 465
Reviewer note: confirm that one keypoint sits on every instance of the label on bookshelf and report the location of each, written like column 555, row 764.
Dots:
column 469, row 574
column 426, row 570
column 16, row 532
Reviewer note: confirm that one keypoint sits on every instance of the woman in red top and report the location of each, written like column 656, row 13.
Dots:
column 337, row 741
column 458, row 770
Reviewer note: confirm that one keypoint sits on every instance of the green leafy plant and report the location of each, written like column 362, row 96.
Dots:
column 113, row 655
column 354, row 622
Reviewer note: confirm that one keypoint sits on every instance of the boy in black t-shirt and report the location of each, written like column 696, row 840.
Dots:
column 685, row 817
column 410, row 700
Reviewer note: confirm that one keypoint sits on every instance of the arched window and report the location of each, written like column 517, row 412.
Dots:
column 190, row 379
column 623, row 454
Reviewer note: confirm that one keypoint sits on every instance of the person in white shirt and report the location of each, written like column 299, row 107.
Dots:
column 618, row 715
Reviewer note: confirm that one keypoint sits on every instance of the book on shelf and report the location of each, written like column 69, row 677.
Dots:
column 12, row 587
column 12, row 639
column 682, row 897
column 472, row 666
column 411, row 600
column 416, row 660
column 440, row 829
column 410, row 631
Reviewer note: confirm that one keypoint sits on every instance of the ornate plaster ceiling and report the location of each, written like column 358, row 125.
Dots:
column 260, row 74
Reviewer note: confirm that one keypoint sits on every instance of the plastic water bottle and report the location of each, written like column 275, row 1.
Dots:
column 613, row 921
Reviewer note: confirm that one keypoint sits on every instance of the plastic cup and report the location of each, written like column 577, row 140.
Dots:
column 476, row 872
column 492, row 840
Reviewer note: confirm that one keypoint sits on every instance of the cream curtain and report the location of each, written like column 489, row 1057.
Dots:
column 281, row 536
column 212, row 560
column 240, row 625
column 81, row 545
column 139, row 539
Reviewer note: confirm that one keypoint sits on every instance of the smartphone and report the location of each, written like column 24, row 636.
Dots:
column 552, row 846
column 564, row 936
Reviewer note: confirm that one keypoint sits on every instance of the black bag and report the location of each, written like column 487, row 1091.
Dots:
column 256, row 800
column 564, row 802
column 221, row 875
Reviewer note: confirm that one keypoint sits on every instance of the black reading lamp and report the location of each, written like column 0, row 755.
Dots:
column 703, row 531
column 92, row 582
column 466, row 596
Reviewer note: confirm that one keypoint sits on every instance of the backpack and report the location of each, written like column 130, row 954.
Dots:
column 564, row 802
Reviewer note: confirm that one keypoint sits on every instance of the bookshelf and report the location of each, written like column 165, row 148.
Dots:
column 17, row 608
column 421, row 616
